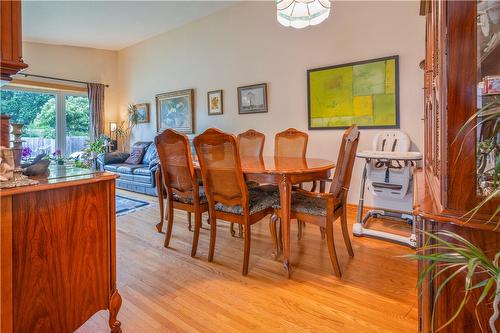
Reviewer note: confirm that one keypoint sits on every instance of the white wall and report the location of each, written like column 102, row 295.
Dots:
column 244, row 45
column 76, row 63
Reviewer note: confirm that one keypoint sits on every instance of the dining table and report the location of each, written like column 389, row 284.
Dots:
column 284, row 172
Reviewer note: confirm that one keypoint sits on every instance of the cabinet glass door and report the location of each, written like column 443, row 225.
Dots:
column 488, row 97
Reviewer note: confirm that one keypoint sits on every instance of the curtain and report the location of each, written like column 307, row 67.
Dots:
column 96, row 105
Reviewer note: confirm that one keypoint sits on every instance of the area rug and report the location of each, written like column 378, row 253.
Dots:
column 126, row 205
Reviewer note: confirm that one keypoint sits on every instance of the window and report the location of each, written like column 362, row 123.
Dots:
column 53, row 119
column 77, row 119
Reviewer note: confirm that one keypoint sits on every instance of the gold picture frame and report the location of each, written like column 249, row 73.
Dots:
column 142, row 113
column 175, row 109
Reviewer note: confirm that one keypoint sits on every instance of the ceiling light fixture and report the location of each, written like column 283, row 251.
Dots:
column 302, row 13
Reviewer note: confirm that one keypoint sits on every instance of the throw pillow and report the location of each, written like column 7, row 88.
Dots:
column 135, row 156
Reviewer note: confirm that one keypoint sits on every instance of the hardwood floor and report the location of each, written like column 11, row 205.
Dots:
column 165, row 290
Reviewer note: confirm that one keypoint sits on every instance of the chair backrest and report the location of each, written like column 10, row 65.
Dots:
column 176, row 161
column 251, row 143
column 290, row 143
column 394, row 140
column 345, row 162
column 220, row 165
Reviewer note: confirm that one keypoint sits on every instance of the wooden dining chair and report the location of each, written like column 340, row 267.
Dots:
column 180, row 181
column 290, row 143
column 323, row 209
column 229, row 198
column 250, row 144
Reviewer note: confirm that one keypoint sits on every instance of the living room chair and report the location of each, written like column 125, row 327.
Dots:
column 229, row 197
column 323, row 209
column 180, row 181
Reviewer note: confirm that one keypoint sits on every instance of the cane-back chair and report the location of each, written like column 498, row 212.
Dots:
column 229, row 198
column 290, row 143
column 180, row 181
column 323, row 209
column 251, row 143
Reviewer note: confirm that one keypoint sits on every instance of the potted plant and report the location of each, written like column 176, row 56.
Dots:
column 57, row 156
column 459, row 256
column 123, row 131
column 26, row 153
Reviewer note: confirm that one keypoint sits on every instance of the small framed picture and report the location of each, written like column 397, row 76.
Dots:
column 215, row 102
column 252, row 99
column 142, row 112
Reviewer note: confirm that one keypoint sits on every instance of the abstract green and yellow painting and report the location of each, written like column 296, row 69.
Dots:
column 363, row 93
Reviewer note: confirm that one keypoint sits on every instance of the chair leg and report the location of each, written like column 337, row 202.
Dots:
column 314, row 185
column 322, row 231
column 274, row 236
column 246, row 253
column 280, row 236
column 331, row 249
column 213, row 235
column 170, row 223
column 345, row 232
column 196, row 234
column 240, row 231
column 159, row 226
column 190, row 225
column 231, row 228
column 300, row 229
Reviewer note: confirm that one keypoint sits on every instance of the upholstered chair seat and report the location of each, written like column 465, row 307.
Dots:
column 188, row 199
column 308, row 205
column 260, row 198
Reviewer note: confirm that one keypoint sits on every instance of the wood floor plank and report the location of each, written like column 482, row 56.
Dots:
column 165, row 290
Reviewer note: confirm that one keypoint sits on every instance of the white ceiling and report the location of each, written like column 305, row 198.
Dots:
column 111, row 25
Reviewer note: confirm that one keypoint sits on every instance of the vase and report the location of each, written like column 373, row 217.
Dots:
column 17, row 143
column 17, row 129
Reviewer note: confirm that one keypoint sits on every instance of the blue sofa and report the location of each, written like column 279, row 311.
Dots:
column 133, row 177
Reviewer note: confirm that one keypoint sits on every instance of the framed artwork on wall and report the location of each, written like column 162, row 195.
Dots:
column 215, row 102
column 175, row 110
column 365, row 93
column 142, row 112
column 252, row 99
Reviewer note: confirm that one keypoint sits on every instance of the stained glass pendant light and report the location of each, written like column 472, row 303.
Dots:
column 302, row 13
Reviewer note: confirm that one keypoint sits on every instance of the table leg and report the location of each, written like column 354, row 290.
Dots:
column 285, row 187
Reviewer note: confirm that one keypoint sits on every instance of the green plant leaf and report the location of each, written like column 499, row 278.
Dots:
column 479, row 113
column 489, row 283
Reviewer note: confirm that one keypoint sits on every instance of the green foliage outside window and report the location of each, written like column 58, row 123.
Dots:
column 37, row 112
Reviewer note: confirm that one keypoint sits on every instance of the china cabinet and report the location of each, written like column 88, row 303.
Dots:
column 11, row 39
column 462, row 62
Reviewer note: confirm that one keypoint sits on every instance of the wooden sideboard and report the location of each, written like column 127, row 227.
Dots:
column 11, row 39
column 57, row 253
column 446, row 188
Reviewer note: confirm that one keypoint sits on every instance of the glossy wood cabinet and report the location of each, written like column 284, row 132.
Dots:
column 11, row 39
column 447, row 187
column 57, row 254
